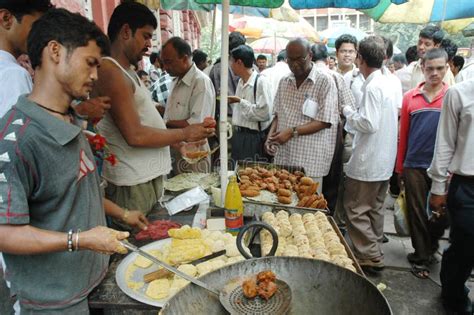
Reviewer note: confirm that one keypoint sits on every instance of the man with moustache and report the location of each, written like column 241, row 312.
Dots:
column 134, row 129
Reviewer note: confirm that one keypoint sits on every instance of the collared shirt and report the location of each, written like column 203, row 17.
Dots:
column 215, row 76
column 344, row 95
column 14, row 81
column 192, row 98
column 418, row 123
column 314, row 152
column 467, row 72
column 275, row 74
column 454, row 149
column 249, row 111
column 375, row 125
column 417, row 76
column 404, row 74
column 48, row 180
column 338, row 70
column 161, row 87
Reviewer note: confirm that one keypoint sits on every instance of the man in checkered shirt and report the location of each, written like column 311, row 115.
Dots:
column 306, row 115
column 160, row 90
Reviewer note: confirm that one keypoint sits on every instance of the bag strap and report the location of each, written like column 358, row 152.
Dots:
column 255, row 98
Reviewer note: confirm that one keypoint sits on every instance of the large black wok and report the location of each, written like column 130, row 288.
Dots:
column 317, row 287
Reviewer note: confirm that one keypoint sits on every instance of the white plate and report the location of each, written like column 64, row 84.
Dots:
column 121, row 272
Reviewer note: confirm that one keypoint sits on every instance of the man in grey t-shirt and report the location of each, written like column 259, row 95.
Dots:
column 49, row 187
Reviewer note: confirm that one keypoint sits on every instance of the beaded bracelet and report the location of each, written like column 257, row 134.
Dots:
column 69, row 241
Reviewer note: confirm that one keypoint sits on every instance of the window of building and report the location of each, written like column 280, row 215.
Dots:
column 322, row 23
column 310, row 20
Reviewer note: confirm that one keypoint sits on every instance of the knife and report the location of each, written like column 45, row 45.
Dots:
column 183, row 275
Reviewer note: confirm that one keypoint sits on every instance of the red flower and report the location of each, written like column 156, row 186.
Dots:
column 98, row 142
column 111, row 159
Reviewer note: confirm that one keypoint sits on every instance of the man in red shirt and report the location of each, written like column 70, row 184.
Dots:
column 419, row 119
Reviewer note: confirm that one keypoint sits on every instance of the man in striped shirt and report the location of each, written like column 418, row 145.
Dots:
column 420, row 113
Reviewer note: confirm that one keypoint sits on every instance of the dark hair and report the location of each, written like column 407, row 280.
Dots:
column 319, row 51
column 141, row 73
column 458, row 62
column 135, row 14
column 154, row 56
column 218, row 60
column 332, row 57
column 69, row 29
column 432, row 32
column 281, row 55
column 345, row 38
column 180, row 45
column 20, row 8
column 372, row 51
column 435, row 53
column 244, row 53
column 388, row 47
column 199, row 56
column 450, row 47
column 236, row 39
column 261, row 57
column 411, row 54
column 399, row 58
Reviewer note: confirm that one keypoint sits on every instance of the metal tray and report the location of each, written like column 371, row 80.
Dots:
column 289, row 168
column 121, row 273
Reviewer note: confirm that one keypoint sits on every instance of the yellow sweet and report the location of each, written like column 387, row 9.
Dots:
column 158, row 289
column 143, row 262
column 185, row 233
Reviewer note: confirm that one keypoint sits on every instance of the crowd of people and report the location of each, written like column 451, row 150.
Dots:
column 362, row 124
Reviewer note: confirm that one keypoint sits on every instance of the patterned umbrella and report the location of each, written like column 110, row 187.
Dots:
column 331, row 34
column 455, row 14
column 269, row 45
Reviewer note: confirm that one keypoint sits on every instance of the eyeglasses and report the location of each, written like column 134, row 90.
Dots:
column 297, row 60
column 347, row 51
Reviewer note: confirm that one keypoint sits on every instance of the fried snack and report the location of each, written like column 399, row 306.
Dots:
column 303, row 201
column 271, row 187
column 287, row 184
column 284, row 200
column 244, row 177
column 310, row 200
column 298, row 174
column 306, row 181
column 312, row 189
column 322, row 204
column 158, row 289
column 249, row 288
column 284, row 192
column 266, row 276
column 293, row 179
column 284, row 176
column 250, row 193
column 185, row 232
column 267, row 289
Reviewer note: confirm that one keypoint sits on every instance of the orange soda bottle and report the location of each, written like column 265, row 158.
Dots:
column 234, row 213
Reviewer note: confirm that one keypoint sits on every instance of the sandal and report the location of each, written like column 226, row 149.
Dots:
column 420, row 271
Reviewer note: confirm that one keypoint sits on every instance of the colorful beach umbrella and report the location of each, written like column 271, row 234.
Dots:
column 269, row 45
column 455, row 14
column 351, row 4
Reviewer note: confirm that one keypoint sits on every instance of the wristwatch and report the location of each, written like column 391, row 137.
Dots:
column 294, row 132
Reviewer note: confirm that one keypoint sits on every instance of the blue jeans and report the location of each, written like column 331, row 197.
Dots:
column 458, row 259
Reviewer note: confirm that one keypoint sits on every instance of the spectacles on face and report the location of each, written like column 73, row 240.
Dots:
column 299, row 60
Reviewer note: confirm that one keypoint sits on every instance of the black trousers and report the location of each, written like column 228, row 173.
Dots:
column 247, row 145
column 332, row 180
column 458, row 258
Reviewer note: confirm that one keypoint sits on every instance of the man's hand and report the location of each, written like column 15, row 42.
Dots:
column 197, row 132
column 233, row 99
column 281, row 137
column 94, row 108
column 438, row 205
column 136, row 219
column 400, row 180
column 103, row 240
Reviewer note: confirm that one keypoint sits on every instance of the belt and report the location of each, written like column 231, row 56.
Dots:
column 245, row 130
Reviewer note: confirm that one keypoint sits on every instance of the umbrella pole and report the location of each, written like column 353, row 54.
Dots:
column 223, row 96
column 213, row 31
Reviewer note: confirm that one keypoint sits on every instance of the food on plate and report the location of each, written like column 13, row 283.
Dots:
column 158, row 289
column 250, row 193
column 263, row 285
column 284, row 200
column 188, row 269
column 284, row 192
column 185, row 232
column 156, row 230
column 143, row 262
column 306, row 181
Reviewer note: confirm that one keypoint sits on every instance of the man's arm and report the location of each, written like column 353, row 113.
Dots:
column 29, row 240
column 262, row 109
column 134, row 218
column 120, row 91
column 403, row 136
column 367, row 119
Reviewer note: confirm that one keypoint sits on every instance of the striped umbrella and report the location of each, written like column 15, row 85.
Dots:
column 455, row 14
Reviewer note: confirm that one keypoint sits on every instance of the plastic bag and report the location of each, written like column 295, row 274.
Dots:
column 400, row 216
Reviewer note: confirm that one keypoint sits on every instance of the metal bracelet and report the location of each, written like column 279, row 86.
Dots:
column 76, row 248
column 125, row 215
column 69, row 241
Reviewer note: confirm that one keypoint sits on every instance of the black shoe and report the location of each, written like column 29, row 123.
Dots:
column 385, row 239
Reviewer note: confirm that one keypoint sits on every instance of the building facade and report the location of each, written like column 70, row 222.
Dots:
column 322, row 19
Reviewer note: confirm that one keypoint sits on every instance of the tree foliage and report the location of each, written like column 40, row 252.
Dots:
column 206, row 42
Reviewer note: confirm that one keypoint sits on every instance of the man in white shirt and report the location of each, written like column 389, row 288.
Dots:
column 192, row 97
column 277, row 72
column 373, row 157
column 252, row 107
column 404, row 74
column 346, row 52
column 467, row 71
column 454, row 155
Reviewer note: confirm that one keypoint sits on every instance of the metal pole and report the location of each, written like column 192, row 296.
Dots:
column 223, row 96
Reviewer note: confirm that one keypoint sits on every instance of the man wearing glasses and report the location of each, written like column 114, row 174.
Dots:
column 306, row 115
column 346, row 52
